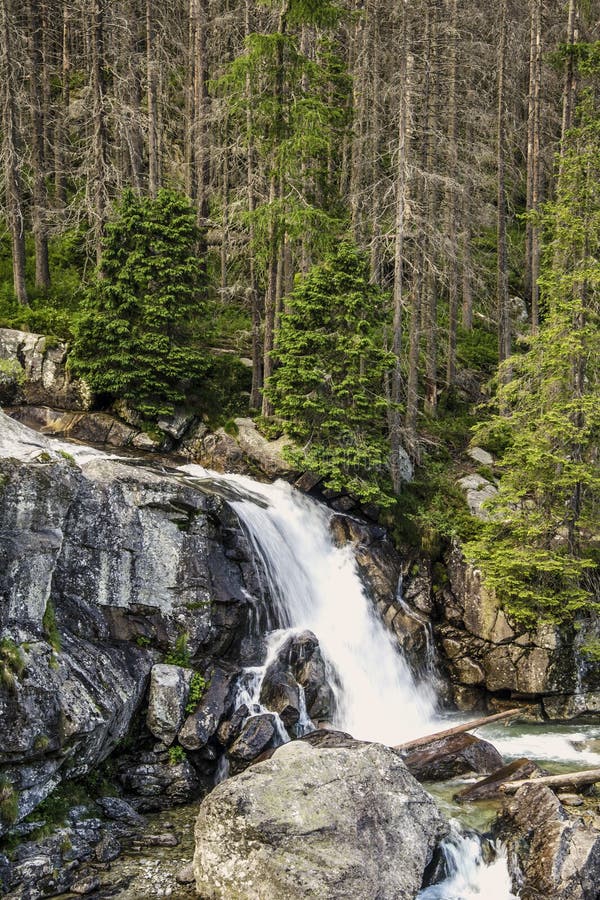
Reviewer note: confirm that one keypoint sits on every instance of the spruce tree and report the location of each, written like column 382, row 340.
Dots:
column 540, row 550
column 133, row 337
column 328, row 386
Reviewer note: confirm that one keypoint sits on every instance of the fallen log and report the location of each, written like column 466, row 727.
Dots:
column 570, row 780
column 458, row 729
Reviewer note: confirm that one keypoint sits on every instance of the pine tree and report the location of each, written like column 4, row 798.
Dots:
column 328, row 387
column 540, row 550
column 133, row 338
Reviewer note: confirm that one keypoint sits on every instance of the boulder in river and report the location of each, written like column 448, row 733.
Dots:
column 557, row 855
column 451, row 756
column 320, row 823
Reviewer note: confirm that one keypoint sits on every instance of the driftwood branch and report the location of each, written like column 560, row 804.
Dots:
column 458, row 729
column 570, row 780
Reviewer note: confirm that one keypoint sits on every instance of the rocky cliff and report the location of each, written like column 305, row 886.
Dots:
column 104, row 569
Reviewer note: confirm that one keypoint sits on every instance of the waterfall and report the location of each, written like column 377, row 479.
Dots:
column 315, row 585
column 468, row 874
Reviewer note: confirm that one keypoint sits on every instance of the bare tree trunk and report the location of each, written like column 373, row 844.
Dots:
column 570, row 83
column 11, row 153
column 60, row 133
column 400, row 222
column 532, row 238
column 151, row 102
column 452, row 206
column 200, row 116
column 504, row 336
column 429, row 304
column 36, row 102
column 99, row 167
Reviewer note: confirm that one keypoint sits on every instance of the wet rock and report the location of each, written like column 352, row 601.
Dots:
column 86, row 885
column 169, row 688
column 229, row 730
column 489, row 787
column 570, row 799
column 161, row 840
column 202, row 724
column 107, row 849
column 257, row 734
column 452, row 756
column 120, row 811
column 288, row 827
column 328, row 737
column 161, row 784
column 101, row 564
column 558, row 856
column 280, row 693
column 301, row 656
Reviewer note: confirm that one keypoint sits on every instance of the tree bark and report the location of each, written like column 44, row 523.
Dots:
column 572, row 780
column 459, row 729
column 504, row 336
column 36, row 102
column 11, row 152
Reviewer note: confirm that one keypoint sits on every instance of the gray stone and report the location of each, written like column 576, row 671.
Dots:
column 125, row 560
column 479, row 455
column 186, row 875
column 86, row 885
column 321, row 823
column 120, row 811
column 169, row 688
column 404, row 466
column 161, row 784
column 558, row 856
column 267, row 455
column 107, row 849
column 202, row 724
column 478, row 491
column 257, row 735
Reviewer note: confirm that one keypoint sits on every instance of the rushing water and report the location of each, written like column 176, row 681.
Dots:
column 315, row 585
column 468, row 874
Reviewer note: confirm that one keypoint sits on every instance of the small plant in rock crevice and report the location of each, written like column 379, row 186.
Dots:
column 12, row 662
column 176, row 755
column 198, row 685
column 51, row 628
column 179, row 654
column 9, row 802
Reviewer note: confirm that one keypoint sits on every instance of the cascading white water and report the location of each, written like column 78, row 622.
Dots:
column 469, row 876
column 315, row 585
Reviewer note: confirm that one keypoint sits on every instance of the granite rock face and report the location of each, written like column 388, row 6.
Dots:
column 103, row 567
column 45, row 379
column 322, row 823
column 487, row 653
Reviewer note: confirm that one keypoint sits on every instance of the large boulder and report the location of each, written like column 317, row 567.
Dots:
column 169, row 688
column 557, row 855
column 452, row 756
column 342, row 822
